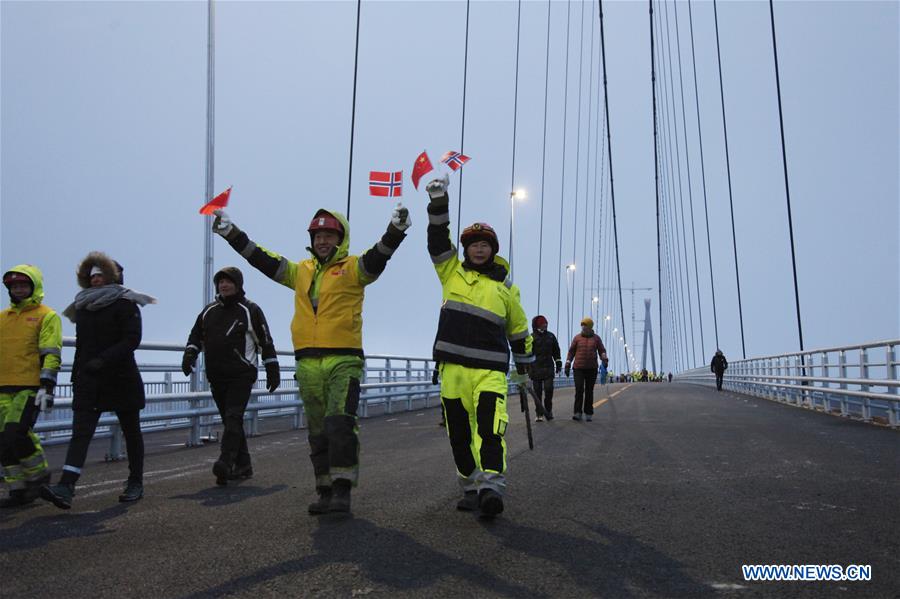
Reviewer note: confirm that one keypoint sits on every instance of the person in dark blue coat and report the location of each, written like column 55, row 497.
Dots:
column 547, row 364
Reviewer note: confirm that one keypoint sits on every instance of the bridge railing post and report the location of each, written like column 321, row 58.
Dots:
column 409, row 390
column 842, row 370
column 115, row 443
column 826, row 373
column 388, row 375
column 890, row 360
column 864, row 374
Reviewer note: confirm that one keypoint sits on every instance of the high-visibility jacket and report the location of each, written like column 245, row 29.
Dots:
column 328, row 296
column 30, row 338
column 481, row 314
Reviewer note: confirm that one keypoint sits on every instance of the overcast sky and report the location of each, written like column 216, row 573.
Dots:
column 103, row 111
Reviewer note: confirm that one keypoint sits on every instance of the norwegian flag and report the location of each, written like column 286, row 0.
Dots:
column 386, row 184
column 454, row 160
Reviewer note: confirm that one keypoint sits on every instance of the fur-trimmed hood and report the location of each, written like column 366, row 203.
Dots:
column 103, row 262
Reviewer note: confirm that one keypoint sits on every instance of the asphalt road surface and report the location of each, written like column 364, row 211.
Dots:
column 666, row 493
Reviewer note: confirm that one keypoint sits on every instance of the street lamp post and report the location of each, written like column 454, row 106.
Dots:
column 569, row 268
column 517, row 194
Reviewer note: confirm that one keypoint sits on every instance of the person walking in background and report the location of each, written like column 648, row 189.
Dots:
column 231, row 332
column 481, row 320
column 718, row 365
column 105, row 376
column 547, row 364
column 329, row 288
column 30, row 346
column 582, row 356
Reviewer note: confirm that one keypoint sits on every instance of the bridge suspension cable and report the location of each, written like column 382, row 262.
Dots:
column 737, row 273
column 512, row 182
column 562, row 193
column 543, row 159
column 353, row 112
column 712, row 285
column 587, row 177
column 656, row 185
column 577, row 160
column 462, row 134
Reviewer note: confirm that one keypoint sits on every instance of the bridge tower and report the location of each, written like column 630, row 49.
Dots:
column 648, row 332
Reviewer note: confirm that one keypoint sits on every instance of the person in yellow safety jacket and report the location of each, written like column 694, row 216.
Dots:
column 327, row 336
column 30, row 349
column 481, row 319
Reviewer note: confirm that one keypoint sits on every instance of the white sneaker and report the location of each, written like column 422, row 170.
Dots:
column 539, row 419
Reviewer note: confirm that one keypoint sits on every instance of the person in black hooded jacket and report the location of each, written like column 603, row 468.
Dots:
column 231, row 331
column 547, row 364
column 105, row 376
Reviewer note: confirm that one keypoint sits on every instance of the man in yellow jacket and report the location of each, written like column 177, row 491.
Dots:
column 326, row 330
column 481, row 320
column 30, row 347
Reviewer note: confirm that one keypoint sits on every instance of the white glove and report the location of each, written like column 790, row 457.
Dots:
column 438, row 187
column 44, row 400
column 400, row 217
column 222, row 225
column 517, row 379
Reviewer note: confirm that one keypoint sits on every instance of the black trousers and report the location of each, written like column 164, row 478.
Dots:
column 231, row 397
column 543, row 396
column 84, row 425
column 584, row 389
column 719, row 377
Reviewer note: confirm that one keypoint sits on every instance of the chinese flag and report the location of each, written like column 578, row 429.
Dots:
column 220, row 201
column 422, row 166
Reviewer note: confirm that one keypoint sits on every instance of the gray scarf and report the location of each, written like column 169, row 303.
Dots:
column 95, row 298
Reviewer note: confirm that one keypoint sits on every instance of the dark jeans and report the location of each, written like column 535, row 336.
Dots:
column 543, row 396
column 584, row 389
column 719, row 377
column 231, row 397
column 84, row 424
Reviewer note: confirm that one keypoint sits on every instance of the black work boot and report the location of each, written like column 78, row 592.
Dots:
column 59, row 495
column 241, row 472
column 134, row 490
column 340, row 498
column 320, row 505
column 16, row 498
column 222, row 471
column 33, row 488
column 469, row 502
column 490, row 503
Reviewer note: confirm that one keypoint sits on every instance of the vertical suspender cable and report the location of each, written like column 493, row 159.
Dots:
column 208, row 247
column 656, row 179
column 587, row 175
column 712, row 285
column 353, row 113
column 737, row 273
column 612, row 188
column 512, row 181
column 562, row 193
column 687, row 157
column 787, row 189
column 544, row 159
column 462, row 135
column 577, row 160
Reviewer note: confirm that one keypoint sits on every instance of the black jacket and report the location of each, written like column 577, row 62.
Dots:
column 546, row 353
column 111, row 334
column 231, row 331
column 719, row 364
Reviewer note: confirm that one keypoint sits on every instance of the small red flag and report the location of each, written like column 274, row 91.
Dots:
column 454, row 160
column 386, row 184
column 422, row 166
column 220, row 201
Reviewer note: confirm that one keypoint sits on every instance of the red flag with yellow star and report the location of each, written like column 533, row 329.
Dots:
column 421, row 166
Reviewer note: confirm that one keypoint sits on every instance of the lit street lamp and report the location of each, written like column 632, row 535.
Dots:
column 518, row 194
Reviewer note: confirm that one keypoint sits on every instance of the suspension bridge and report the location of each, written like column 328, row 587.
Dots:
column 673, row 487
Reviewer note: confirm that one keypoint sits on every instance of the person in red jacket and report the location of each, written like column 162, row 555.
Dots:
column 582, row 356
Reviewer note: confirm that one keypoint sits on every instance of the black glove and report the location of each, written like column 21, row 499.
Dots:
column 558, row 366
column 48, row 385
column 188, row 361
column 93, row 366
column 273, row 376
column 434, row 377
column 568, row 368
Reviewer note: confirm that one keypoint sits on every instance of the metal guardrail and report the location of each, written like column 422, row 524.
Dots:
column 836, row 380
column 177, row 402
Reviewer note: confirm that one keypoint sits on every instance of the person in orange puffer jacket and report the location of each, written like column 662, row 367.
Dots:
column 583, row 353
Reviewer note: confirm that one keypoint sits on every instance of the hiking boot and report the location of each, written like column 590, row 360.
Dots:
column 588, row 417
column 16, row 498
column 469, row 502
column 577, row 416
column 490, row 503
column 59, row 495
column 340, row 498
column 320, row 505
column 549, row 415
column 222, row 471
column 134, row 490
column 241, row 472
